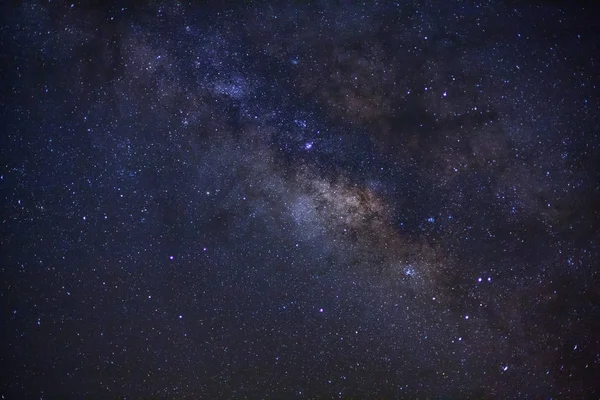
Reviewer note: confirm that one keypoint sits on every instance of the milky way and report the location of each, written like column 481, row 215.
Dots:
column 388, row 200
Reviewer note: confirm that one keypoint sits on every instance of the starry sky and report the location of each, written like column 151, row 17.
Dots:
column 291, row 200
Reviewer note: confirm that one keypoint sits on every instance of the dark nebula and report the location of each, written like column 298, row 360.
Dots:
column 268, row 200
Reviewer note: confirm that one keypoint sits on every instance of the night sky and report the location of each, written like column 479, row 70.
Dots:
column 393, row 200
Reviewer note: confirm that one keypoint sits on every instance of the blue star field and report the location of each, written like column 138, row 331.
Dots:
column 291, row 200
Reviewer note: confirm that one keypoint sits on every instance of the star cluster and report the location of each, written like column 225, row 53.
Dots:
column 378, row 200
